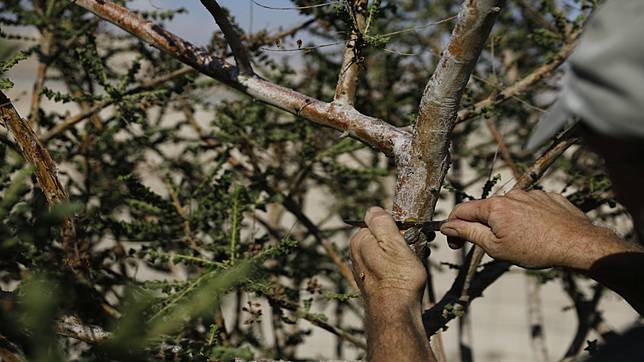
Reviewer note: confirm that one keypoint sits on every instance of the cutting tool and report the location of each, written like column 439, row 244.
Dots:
column 427, row 227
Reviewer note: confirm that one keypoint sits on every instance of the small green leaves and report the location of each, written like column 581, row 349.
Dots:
column 5, row 66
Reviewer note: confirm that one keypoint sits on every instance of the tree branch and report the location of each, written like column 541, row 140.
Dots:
column 239, row 51
column 345, row 91
column 316, row 321
column 46, row 43
column 71, row 326
column 372, row 131
column 586, row 311
column 421, row 171
column 46, row 172
column 503, row 148
column 526, row 82
column 177, row 74
column 72, row 120
column 535, row 319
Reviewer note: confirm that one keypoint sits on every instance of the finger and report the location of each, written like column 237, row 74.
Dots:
column 384, row 228
column 475, row 210
column 354, row 245
column 475, row 232
column 357, row 262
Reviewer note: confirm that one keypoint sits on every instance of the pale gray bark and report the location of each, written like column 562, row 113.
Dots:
column 422, row 168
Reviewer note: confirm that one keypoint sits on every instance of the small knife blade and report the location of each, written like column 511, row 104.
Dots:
column 426, row 226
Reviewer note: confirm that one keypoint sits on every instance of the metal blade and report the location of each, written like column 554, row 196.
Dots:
column 426, row 226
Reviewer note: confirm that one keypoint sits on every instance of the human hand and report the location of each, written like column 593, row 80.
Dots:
column 533, row 229
column 382, row 263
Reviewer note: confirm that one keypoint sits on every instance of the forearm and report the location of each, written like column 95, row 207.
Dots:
column 395, row 330
column 618, row 265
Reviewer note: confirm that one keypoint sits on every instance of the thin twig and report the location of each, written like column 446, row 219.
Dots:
column 503, row 148
column 408, row 30
column 316, row 321
column 296, row 7
column 46, row 43
column 147, row 86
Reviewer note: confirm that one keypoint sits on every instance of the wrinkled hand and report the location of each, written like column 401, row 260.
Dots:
column 381, row 261
column 532, row 229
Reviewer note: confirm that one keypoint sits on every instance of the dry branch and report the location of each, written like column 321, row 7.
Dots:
column 374, row 132
column 46, row 174
column 422, row 168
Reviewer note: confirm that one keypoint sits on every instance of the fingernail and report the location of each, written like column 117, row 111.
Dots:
column 449, row 231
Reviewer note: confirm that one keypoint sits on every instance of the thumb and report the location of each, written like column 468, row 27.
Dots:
column 474, row 232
